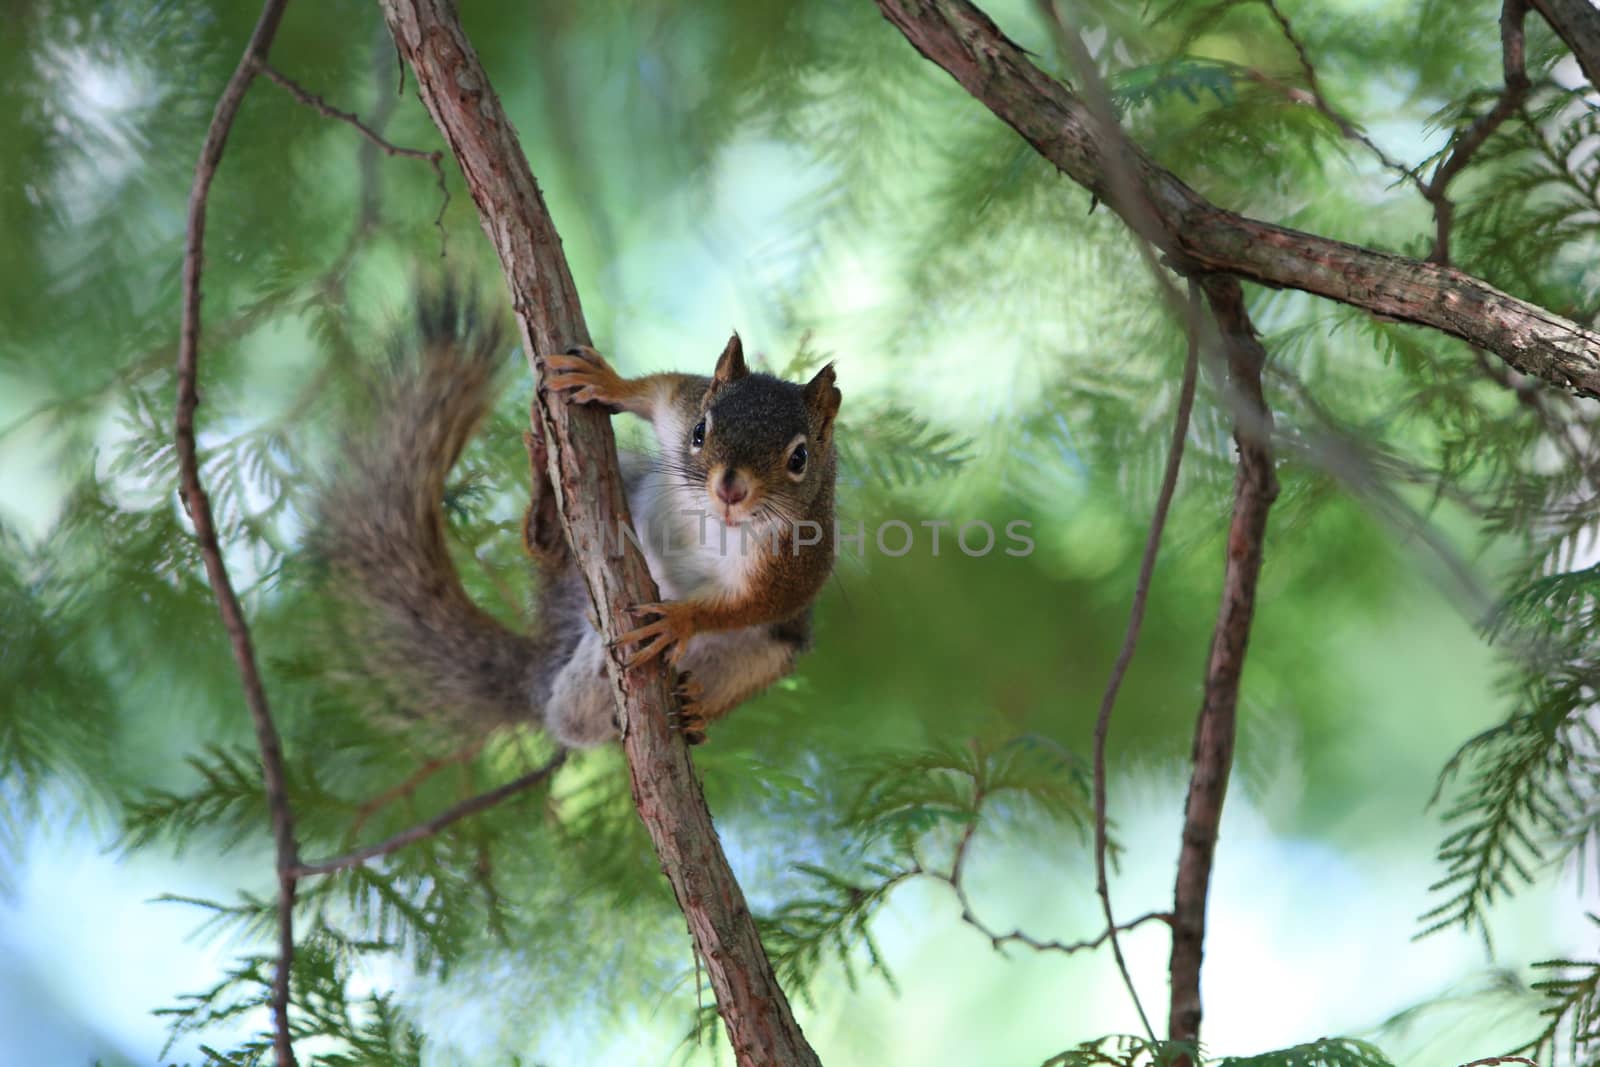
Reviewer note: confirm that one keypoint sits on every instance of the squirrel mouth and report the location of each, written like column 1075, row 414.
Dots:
column 732, row 495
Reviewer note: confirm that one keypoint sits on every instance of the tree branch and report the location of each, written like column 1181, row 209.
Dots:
column 1513, row 50
column 412, row 783
column 471, row 806
column 1121, row 175
column 377, row 140
column 1577, row 23
column 205, row 529
column 1130, row 638
column 1255, row 488
column 583, row 471
column 1347, row 129
column 955, row 879
column 1194, row 232
column 322, row 107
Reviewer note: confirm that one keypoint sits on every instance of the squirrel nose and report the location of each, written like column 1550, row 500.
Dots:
column 731, row 488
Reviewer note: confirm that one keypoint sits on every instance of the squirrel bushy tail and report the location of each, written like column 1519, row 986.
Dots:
column 380, row 530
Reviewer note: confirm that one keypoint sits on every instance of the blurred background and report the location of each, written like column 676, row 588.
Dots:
column 798, row 172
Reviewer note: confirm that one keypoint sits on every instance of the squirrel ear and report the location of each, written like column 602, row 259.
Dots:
column 730, row 365
column 822, row 399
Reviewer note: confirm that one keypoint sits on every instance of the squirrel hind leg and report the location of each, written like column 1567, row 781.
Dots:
column 580, row 712
column 720, row 671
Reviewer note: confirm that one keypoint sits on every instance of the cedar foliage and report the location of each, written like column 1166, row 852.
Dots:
column 118, row 702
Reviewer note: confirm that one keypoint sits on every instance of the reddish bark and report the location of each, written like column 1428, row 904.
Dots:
column 583, row 469
column 1200, row 236
column 1255, row 488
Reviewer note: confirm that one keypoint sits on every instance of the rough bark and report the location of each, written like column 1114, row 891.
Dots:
column 1577, row 23
column 1255, row 488
column 583, row 469
column 1200, row 236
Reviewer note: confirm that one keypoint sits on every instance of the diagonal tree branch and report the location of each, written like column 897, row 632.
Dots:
column 205, row 528
column 1255, row 488
column 583, row 470
column 411, row 835
column 1197, row 234
column 1576, row 22
column 322, row 107
column 374, row 138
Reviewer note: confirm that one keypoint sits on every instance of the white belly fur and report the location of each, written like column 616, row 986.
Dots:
column 690, row 553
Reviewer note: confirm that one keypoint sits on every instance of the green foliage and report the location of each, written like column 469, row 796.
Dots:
column 1004, row 352
column 430, row 907
column 1325, row 1052
column 55, row 717
column 894, row 446
column 832, row 922
column 1188, row 76
column 905, row 797
column 1521, row 801
column 1123, row 1050
column 904, row 808
column 1130, row 1051
column 364, row 1031
column 1526, row 798
column 1572, row 1009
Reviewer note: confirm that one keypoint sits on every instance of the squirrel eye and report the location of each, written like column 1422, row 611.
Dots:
column 697, row 436
column 797, row 460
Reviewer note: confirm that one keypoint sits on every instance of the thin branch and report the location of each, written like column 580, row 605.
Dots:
column 472, row 806
column 1130, row 638
column 322, row 107
column 1513, row 49
column 999, row 940
column 1195, row 232
column 1255, row 488
column 409, row 787
column 980, row 789
column 582, row 464
column 1318, row 100
column 955, row 879
column 199, row 508
column 1072, row 46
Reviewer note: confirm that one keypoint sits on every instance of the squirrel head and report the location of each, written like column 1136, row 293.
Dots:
column 763, row 446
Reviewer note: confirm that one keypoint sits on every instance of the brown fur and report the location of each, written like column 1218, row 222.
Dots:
column 381, row 531
column 380, row 528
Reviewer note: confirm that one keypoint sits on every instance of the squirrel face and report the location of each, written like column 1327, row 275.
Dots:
column 762, row 447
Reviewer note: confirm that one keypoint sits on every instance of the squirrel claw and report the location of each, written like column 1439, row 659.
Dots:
column 585, row 376
column 666, row 634
column 689, row 719
column 578, row 358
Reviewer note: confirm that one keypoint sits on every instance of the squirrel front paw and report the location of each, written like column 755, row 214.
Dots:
column 689, row 719
column 667, row 634
column 585, row 377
